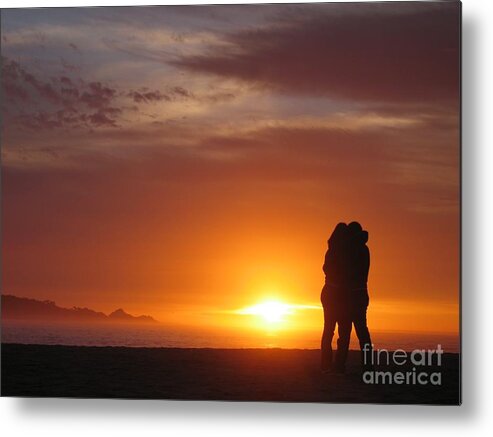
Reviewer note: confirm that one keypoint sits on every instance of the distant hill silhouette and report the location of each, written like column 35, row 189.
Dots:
column 120, row 315
column 20, row 308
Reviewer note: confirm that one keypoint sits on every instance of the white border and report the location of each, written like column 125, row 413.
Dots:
column 83, row 418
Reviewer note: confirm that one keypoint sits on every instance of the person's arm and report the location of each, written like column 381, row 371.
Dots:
column 366, row 264
column 325, row 267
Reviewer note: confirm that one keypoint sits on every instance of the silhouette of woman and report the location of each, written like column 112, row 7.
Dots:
column 355, row 284
column 334, row 301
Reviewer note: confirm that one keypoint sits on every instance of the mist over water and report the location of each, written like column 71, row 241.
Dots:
column 164, row 336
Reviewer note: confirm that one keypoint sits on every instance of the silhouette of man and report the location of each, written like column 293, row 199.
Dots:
column 334, row 296
column 358, row 266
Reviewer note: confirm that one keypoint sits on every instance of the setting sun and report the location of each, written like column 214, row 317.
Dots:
column 270, row 311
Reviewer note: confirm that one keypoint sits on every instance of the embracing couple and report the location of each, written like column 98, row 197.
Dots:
column 345, row 294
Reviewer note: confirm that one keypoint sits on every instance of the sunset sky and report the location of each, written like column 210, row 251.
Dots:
column 189, row 162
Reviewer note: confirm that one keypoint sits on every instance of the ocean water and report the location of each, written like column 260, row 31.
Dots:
column 165, row 336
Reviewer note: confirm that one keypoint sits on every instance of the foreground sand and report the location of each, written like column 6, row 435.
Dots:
column 215, row 374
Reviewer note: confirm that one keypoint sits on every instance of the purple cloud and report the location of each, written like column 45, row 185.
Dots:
column 372, row 53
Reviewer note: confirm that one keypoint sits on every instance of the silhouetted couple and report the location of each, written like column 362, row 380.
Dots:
column 345, row 294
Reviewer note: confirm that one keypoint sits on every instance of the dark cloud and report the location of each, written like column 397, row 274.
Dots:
column 144, row 95
column 381, row 53
column 97, row 95
column 101, row 118
column 35, row 102
column 147, row 96
column 219, row 97
column 180, row 91
column 45, row 90
column 74, row 47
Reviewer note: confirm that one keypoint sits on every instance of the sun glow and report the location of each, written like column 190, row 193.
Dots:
column 270, row 311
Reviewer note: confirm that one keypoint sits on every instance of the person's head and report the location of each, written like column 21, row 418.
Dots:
column 354, row 228
column 356, row 233
column 338, row 234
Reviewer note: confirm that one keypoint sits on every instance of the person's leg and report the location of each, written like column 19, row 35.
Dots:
column 363, row 333
column 327, row 336
column 344, row 327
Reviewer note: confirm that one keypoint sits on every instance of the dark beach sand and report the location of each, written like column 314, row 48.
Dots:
column 213, row 374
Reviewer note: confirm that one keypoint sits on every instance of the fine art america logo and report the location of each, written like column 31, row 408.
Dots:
column 419, row 367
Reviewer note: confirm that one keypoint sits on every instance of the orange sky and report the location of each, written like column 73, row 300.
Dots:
column 186, row 162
